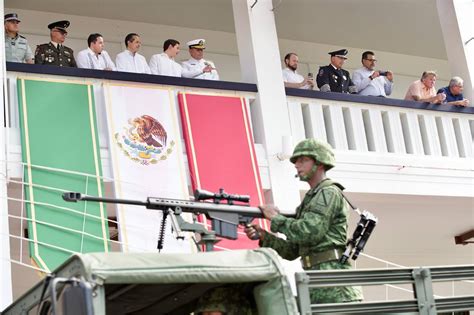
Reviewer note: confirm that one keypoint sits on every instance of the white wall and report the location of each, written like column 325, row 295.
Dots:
column 222, row 46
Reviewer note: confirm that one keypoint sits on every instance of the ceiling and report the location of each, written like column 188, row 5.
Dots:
column 400, row 26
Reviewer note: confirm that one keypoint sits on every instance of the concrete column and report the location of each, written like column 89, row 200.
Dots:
column 457, row 26
column 260, row 63
column 5, row 267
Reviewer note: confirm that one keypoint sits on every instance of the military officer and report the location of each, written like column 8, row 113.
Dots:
column 333, row 78
column 318, row 233
column 197, row 67
column 55, row 53
column 16, row 46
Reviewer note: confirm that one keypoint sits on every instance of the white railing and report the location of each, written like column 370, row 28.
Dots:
column 391, row 149
column 382, row 129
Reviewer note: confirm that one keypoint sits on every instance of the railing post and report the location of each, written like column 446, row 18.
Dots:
column 302, row 289
column 424, row 291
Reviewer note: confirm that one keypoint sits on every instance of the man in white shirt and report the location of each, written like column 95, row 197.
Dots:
column 164, row 64
column 95, row 57
column 130, row 60
column 292, row 78
column 371, row 82
column 197, row 67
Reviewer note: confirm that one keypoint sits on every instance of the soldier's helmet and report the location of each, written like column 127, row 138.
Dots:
column 320, row 151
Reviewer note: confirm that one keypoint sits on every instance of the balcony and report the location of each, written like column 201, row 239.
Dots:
column 411, row 163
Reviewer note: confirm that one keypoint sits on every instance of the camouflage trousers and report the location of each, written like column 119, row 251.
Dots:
column 334, row 294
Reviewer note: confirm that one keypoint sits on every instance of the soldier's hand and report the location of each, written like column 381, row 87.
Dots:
column 269, row 211
column 254, row 232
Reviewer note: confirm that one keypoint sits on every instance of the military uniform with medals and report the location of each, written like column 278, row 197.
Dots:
column 16, row 48
column 330, row 79
column 60, row 55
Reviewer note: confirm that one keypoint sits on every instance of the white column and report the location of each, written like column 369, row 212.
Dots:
column 260, row 63
column 5, row 268
column 457, row 24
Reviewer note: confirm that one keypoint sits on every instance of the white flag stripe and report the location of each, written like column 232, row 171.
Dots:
column 145, row 144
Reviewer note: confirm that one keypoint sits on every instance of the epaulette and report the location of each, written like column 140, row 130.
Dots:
column 21, row 36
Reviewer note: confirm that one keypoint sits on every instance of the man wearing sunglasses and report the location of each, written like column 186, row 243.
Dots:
column 55, row 53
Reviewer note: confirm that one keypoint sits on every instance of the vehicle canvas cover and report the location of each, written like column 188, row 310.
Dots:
column 151, row 283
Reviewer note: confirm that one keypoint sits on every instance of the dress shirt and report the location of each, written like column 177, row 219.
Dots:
column 419, row 89
column 291, row 76
column 129, row 62
column 379, row 86
column 162, row 64
column 17, row 49
column 192, row 68
column 88, row 59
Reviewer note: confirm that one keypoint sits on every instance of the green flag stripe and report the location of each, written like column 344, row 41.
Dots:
column 59, row 132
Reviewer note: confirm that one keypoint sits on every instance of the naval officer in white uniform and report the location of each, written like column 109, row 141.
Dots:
column 197, row 67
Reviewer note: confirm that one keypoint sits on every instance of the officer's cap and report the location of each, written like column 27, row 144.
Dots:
column 197, row 43
column 339, row 53
column 11, row 17
column 59, row 25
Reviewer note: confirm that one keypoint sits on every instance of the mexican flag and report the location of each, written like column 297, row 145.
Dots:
column 60, row 151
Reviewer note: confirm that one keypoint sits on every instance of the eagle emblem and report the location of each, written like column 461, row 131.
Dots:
column 144, row 140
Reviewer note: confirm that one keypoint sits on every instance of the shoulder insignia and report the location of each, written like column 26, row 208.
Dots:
column 325, row 199
column 321, row 72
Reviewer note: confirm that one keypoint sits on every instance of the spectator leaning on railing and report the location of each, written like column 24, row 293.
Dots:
column 453, row 93
column 372, row 82
column 292, row 78
column 423, row 90
column 95, row 57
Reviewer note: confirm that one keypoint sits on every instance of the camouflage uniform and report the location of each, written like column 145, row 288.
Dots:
column 48, row 54
column 230, row 300
column 320, row 227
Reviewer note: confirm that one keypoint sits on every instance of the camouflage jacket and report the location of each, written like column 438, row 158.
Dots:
column 320, row 223
column 48, row 54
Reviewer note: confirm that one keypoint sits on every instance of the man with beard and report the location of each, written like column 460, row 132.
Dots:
column 292, row 78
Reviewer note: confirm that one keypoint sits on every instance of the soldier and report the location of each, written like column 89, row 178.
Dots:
column 16, row 46
column 55, row 53
column 318, row 234
column 196, row 67
column 333, row 78
column 233, row 299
